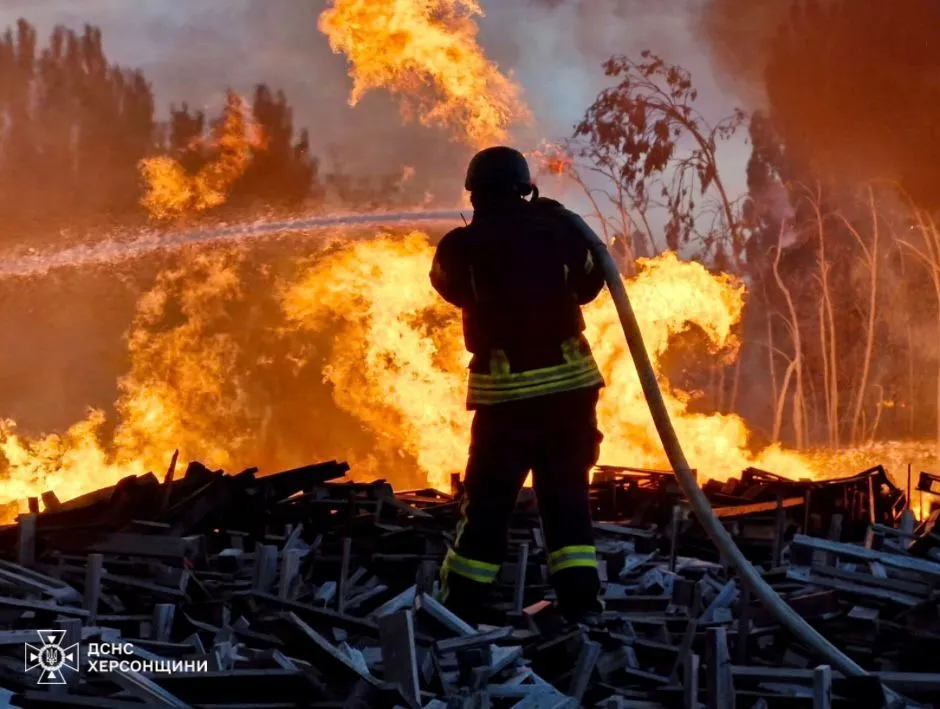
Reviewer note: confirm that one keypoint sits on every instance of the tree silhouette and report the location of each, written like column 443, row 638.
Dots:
column 282, row 170
column 636, row 134
column 76, row 130
column 75, row 127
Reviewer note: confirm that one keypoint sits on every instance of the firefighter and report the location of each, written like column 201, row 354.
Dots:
column 520, row 272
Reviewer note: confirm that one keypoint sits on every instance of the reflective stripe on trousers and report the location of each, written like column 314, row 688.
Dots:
column 479, row 571
column 572, row 557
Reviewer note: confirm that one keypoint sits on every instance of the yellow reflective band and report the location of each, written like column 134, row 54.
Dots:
column 534, row 377
column 588, row 263
column 571, row 557
column 549, row 386
column 493, row 389
column 577, row 549
column 479, row 571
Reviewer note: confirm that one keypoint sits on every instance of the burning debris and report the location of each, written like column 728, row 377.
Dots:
column 391, row 356
column 304, row 589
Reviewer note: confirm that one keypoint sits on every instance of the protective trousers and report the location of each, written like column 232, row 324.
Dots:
column 556, row 437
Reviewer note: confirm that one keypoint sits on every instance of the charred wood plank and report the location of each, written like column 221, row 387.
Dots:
column 853, row 551
column 26, row 540
column 327, row 652
column 399, row 654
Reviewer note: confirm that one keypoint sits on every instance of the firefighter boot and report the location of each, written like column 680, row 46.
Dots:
column 578, row 591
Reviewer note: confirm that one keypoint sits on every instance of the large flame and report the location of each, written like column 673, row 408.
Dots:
column 170, row 191
column 397, row 361
column 398, row 364
column 180, row 393
column 426, row 52
column 212, row 353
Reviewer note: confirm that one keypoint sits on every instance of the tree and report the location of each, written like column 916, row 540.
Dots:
column 75, row 127
column 654, row 149
column 282, row 171
column 185, row 137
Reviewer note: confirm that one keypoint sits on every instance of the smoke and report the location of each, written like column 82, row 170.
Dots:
column 850, row 85
column 738, row 37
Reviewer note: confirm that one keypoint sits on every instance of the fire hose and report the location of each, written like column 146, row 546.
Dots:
column 785, row 615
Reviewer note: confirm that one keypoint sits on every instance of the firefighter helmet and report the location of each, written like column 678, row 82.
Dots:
column 499, row 169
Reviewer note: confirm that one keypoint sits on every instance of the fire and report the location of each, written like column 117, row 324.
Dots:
column 180, row 393
column 426, row 52
column 207, row 370
column 398, row 360
column 669, row 297
column 398, row 364
column 552, row 159
column 172, row 192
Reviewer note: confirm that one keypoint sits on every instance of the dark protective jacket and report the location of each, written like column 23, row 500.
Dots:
column 520, row 272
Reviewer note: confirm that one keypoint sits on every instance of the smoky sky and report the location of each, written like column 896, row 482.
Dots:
column 851, row 85
column 192, row 51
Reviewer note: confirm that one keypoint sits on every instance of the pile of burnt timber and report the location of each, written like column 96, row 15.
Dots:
column 302, row 589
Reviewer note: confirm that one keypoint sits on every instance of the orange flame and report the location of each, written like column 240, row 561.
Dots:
column 426, row 51
column 171, row 192
column 395, row 361
column 176, row 371
column 398, row 362
column 552, row 159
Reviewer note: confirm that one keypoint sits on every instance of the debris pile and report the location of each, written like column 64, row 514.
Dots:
column 302, row 589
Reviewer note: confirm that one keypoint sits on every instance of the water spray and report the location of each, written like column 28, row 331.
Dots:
column 149, row 242
column 785, row 615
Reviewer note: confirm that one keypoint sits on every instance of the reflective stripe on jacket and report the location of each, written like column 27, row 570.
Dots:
column 578, row 371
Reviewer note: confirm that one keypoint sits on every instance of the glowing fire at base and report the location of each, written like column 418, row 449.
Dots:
column 395, row 363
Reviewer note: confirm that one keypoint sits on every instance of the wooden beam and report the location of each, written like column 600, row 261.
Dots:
column 72, row 636
column 583, row 669
column 265, row 568
column 854, row 551
column 94, row 569
column 399, row 655
column 290, row 567
column 26, row 540
column 521, row 566
column 457, row 625
column 467, row 642
column 822, row 686
column 733, row 511
column 690, row 681
column 342, row 585
column 720, row 685
column 161, row 626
